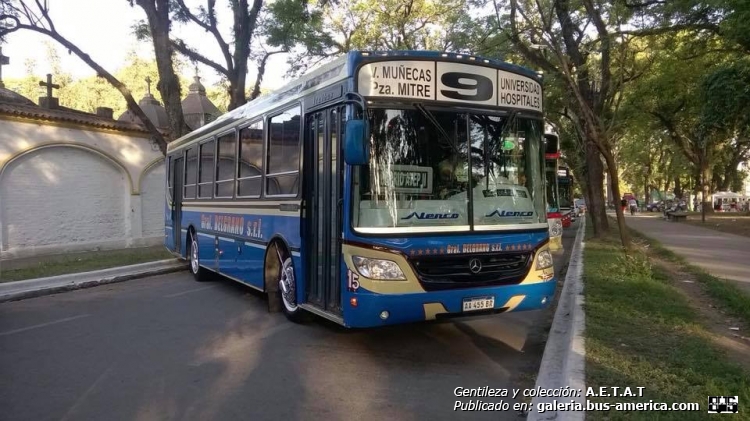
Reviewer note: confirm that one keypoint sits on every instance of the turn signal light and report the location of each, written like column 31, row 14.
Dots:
column 353, row 301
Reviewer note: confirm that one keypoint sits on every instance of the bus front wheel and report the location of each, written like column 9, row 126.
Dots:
column 287, row 293
column 195, row 268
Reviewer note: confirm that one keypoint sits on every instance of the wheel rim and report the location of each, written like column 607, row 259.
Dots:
column 287, row 286
column 194, row 264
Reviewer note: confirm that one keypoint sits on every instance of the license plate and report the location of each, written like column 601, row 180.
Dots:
column 479, row 303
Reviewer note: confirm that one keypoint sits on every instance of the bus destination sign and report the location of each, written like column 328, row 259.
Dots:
column 407, row 179
column 444, row 81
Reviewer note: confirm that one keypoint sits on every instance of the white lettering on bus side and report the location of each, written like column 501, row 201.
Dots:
column 224, row 223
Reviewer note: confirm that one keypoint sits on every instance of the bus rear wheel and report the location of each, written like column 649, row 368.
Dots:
column 194, row 254
column 288, row 291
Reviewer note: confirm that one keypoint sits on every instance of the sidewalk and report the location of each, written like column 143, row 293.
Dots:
column 19, row 290
column 720, row 254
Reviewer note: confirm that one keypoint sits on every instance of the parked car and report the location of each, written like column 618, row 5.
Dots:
column 654, row 207
column 580, row 207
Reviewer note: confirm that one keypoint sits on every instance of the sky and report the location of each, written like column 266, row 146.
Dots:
column 103, row 30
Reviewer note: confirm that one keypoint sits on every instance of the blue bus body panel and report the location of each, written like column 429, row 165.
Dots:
column 235, row 243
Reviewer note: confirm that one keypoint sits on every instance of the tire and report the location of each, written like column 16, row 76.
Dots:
column 287, row 291
column 198, row 272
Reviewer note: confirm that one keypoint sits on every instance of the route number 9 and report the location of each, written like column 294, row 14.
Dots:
column 478, row 87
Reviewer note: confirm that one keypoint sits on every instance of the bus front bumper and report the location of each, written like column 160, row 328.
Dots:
column 374, row 310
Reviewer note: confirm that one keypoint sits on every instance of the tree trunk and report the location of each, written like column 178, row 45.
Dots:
column 237, row 88
column 706, row 174
column 596, row 202
column 612, row 171
column 646, row 186
column 157, row 14
column 677, row 187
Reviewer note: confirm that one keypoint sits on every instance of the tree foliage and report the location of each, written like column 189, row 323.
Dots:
column 695, row 97
column 254, row 27
column 348, row 25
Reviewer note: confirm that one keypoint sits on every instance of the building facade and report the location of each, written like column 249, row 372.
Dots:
column 74, row 181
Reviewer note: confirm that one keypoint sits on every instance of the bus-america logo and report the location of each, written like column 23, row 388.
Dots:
column 507, row 214
column 424, row 215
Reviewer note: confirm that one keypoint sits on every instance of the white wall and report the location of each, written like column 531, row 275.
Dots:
column 62, row 195
column 153, row 192
column 67, row 188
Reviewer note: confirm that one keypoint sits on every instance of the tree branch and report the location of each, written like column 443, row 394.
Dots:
column 667, row 29
column 183, row 49
column 45, row 14
column 606, row 57
column 261, row 73
column 644, row 4
column 679, row 140
column 212, row 29
column 533, row 56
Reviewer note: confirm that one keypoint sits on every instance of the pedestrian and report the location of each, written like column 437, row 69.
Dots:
column 633, row 205
column 623, row 204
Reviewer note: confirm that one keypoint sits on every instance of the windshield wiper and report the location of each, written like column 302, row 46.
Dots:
column 437, row 125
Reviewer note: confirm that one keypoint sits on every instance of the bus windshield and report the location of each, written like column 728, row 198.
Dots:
column 566, row 194
column 449, row 171
column 552, row 186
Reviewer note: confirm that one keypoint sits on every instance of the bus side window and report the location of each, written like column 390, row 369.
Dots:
column 250, row 166
column 191, row 173
column 225, row 161
column 283, row 153
column 206, row 173
column 170, row 178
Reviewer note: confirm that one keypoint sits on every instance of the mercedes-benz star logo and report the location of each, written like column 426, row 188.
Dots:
column 475, row 265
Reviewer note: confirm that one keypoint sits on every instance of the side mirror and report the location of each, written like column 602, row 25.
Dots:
column 356, row 147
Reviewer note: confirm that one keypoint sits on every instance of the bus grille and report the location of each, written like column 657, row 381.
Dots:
column 454, row 272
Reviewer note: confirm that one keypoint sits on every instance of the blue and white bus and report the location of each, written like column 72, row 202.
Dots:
column 381, row 188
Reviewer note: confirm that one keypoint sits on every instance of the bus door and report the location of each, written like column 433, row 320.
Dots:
column 178, row 183
column 323, row 202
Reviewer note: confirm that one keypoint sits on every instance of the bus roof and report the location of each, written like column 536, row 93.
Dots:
column 333, row 71
column 325, row 75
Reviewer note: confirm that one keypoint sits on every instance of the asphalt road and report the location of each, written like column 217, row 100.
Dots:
column 167, row 348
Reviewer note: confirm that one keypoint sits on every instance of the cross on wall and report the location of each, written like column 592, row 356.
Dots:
column 4, row 60
column 49, row 85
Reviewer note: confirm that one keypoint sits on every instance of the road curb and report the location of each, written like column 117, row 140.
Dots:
column 563, row 363
column 19, row 290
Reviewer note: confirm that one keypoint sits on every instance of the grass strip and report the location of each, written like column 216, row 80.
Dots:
column 726, row 294
column 84, row 262
column 642, row 331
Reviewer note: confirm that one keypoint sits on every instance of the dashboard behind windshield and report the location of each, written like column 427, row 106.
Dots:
column 434, row 170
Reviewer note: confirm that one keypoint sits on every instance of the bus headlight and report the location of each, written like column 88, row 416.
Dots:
column 378, row 269
column 555, row 228
column 544, row 260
